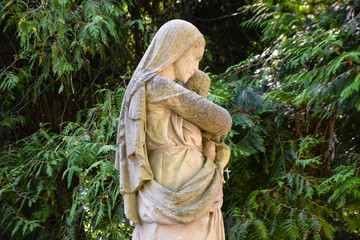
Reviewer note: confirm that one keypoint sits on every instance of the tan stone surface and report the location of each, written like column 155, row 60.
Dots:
column 170, row 190
column 199, row 83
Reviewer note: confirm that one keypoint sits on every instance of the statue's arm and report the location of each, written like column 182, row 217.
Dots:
column 194, row 108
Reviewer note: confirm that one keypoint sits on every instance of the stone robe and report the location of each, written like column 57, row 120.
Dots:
column 183, row 200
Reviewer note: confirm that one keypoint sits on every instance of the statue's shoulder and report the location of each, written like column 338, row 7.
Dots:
column 161, row 88
column 159, row 83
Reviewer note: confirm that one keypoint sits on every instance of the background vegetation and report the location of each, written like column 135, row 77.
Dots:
column 288, row 72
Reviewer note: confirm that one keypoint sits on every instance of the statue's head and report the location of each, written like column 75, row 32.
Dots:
column 177, row 46
column 188, row 63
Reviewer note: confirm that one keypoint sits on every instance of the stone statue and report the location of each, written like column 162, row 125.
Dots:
column 169, row 150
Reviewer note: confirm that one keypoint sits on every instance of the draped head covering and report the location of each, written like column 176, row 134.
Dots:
column 172, row 40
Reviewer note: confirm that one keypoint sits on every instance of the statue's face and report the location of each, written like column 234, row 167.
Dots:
column 188, row 64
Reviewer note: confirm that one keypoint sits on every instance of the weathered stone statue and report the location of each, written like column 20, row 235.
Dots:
column 171, row 183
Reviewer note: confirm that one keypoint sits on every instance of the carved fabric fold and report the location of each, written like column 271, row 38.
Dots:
column 200, row 195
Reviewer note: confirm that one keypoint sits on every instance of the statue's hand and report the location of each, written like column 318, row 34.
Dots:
column 222, row 155
column 213, row 137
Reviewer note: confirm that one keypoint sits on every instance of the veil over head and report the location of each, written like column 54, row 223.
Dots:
column 170, row 42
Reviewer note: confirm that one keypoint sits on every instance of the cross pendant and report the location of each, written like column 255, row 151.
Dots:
column 227, row 171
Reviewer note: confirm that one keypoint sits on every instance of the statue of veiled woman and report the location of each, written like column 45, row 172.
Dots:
column 170, row 189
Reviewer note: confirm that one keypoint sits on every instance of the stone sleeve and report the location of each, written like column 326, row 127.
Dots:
column 189, row 105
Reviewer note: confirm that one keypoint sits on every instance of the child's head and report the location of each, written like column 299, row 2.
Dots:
column 199, row 83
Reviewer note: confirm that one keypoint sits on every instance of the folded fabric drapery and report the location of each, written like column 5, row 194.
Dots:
column 201, row 194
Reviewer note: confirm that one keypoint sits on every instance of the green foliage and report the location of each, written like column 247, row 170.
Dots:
column 61, row 48
column 65, row 184
column 58, row 181
column 294, row 167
